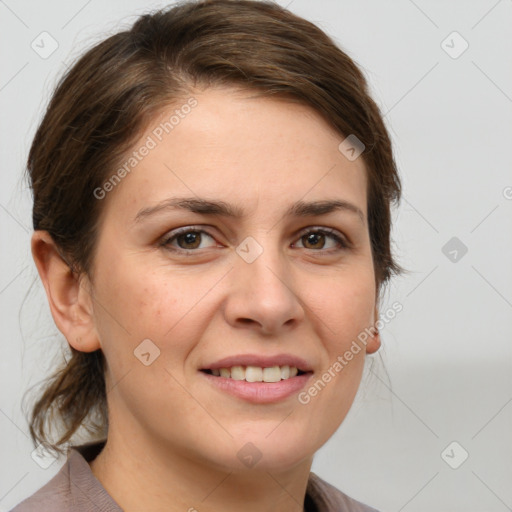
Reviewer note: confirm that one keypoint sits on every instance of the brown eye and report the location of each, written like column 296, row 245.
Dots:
column 316, row 239
column 189, row 240
column 185, row 240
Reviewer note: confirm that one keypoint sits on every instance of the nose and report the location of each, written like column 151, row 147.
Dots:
column 262, row 294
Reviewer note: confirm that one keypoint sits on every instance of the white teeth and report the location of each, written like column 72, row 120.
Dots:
column 253, row 374
column 237, row 373
column 257, row 373
column 272, row 374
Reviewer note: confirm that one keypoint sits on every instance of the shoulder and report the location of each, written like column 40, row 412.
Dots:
column 328, row 498
column 74, row 488
column 53, row 496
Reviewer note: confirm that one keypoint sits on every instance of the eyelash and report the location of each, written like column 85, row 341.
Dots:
column 192, row 229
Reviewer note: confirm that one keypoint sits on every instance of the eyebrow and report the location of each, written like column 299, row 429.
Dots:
column 210, row 207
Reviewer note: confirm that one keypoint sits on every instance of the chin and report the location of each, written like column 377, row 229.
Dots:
column 280, row 451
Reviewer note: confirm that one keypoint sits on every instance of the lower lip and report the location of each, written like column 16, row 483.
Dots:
column 260, row 392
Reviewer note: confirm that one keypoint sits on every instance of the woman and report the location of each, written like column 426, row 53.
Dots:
column 212, row 193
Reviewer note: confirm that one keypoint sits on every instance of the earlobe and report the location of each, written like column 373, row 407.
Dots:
column 374, row 341
column 70, row 302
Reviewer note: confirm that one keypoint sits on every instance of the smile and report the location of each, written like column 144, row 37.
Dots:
column 256, row 373
column 236, row 381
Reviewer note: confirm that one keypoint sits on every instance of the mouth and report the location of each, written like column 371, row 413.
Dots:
column 257, row 373
column 258, row 385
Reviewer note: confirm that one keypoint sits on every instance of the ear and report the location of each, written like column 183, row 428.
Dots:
column 374, row 341
column 67, row 293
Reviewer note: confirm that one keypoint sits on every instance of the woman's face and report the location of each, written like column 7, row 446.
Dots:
column 258, row 284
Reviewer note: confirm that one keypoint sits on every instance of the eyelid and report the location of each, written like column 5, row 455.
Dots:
column 171, row 235
column 333, row 233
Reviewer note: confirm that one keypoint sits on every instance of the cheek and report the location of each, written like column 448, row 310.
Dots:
column 347, row 306
column 138, row 297
column 141, row 303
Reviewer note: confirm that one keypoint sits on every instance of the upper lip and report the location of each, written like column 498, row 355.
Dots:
column 261, row 361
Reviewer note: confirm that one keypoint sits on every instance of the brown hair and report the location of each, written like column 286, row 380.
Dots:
column 107, row 98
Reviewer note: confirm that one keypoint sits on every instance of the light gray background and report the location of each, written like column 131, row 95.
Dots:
column 448, row 353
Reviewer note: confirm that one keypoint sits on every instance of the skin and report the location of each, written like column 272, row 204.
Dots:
column 173, row 437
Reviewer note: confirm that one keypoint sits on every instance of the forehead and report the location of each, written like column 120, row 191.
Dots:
column 237, row 146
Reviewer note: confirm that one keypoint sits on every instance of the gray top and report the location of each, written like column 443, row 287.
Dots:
column 75, row 489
